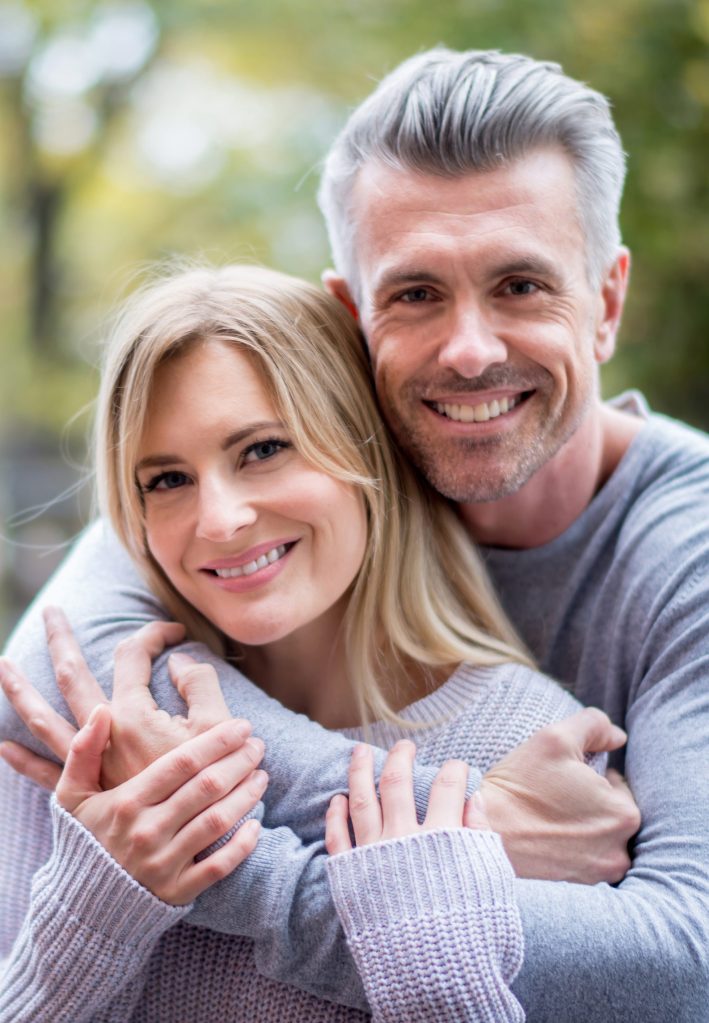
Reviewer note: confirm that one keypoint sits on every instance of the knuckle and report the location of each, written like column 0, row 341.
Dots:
column 216, row 821
column 391, row 778
column 144, row 838
column 126, row 646
column 359, row 804
column 210, row 784
column 66, row 671
column 185, row 763
column 214, row 870
column 124, row 810
column 553, row 741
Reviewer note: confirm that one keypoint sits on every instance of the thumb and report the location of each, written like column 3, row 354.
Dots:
column 82, row 771
column 592, row 731
column 474, row 815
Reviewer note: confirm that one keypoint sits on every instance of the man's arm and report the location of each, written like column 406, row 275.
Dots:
column 280, row 897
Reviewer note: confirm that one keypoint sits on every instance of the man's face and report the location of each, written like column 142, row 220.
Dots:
column 483, row 329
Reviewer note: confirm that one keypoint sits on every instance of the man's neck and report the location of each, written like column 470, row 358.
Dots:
column 559, row 492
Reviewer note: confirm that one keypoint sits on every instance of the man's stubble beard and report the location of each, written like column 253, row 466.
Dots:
column 485, row 469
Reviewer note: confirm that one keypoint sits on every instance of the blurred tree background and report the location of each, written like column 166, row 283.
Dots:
column 133, row 130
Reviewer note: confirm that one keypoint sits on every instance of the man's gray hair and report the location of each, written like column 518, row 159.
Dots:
column 450, row 113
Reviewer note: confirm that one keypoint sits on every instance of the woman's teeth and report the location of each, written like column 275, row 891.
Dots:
column 477, row 413
column 253, row 566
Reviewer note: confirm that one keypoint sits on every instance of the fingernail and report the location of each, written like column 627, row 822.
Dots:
column 359, row 752
column 242, row 729
column 259, row 780
column 478, row 801
column 255, row 744
column 180, row 660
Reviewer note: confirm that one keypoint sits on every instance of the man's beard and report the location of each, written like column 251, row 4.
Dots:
column 486, row 468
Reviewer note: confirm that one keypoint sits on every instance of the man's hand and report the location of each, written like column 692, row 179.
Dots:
column 560, row 820
column 140, row 731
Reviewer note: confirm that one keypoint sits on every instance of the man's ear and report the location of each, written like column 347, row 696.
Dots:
column 611, row 300
column 338, row 288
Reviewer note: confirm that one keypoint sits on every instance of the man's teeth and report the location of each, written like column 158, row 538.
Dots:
column 252, row 566
column 477, row 413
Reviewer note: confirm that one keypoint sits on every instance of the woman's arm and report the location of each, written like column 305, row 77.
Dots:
column 94, row 915
column 428, row 909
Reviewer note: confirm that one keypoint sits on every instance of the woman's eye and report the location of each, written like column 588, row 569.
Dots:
column 264, row 449
column 165, row 481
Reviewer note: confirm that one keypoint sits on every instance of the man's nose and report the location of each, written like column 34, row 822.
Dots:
column 471, row 344
column 224, row 509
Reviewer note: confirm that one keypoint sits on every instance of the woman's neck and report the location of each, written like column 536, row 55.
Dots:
column 307, row 671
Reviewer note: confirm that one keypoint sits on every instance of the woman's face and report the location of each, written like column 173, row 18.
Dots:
column 246, row 530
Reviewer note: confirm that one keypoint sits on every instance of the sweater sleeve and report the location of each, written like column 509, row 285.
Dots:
column 87, row 935
column 433, row 926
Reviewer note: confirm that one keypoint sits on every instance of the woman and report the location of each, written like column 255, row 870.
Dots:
column 243, row 465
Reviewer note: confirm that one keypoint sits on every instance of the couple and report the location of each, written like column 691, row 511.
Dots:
column 472, row 204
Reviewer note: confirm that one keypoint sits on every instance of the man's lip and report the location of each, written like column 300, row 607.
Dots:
column 244, row 557
column 478, row 397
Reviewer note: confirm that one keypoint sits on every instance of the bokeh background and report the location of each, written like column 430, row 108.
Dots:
column 131, row 131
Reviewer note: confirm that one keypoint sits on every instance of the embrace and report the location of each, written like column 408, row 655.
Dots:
column 307, row 741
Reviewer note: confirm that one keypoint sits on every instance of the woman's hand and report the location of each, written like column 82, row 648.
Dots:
column 140, row 731
column 395, row 815
column 157, row 823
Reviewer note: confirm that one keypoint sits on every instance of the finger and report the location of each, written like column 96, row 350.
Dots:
column 198, row 685
column 41, row 719
column 169, row 772
column 396, row 791
column 76, row 683
column 82, row 771
column 219, row 818
column 37, row 769
column 211, row 784
column 363, row 801
column 337, row 833
column 627, row 805
column 134, row 658
column 474, row 815
column 592, row 731
column 447, row 799
column 200, row 876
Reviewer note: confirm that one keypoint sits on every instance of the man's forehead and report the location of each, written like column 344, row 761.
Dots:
column 404, row 218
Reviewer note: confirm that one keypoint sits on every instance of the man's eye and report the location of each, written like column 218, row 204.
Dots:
column 521, row 287
column 265, row 449
column 415, row 295
column 165, row 481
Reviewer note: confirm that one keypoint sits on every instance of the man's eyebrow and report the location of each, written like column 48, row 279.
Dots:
column 517, row 266
column 396, row 278
column 157, row 461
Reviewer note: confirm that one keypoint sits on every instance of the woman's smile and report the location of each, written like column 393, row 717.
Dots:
column 254, row 568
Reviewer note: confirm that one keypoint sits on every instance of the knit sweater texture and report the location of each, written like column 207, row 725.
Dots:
column 431, row 919
column 618, row 608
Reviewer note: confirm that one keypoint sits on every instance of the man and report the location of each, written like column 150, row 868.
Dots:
column 472, row 205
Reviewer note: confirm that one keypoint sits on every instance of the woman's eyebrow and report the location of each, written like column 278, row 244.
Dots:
column 156, row 461
column 239, row 435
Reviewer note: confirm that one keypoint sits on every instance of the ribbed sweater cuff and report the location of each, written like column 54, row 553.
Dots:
column 432, row 872
column 85, row 881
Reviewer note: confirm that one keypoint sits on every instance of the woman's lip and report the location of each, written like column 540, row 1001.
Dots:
column 244, row 557
column 257, row 579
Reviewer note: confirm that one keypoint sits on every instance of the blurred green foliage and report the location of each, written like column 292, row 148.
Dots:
column 132, row 131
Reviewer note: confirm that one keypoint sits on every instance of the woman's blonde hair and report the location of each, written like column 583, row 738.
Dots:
column 421, row 595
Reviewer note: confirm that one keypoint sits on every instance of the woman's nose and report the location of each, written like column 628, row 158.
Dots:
column 223, row 511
